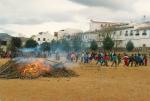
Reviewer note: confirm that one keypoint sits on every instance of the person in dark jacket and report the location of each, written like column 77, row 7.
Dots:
column 131, row 60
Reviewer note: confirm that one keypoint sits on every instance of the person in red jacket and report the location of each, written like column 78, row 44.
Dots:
column 126, row 58
column 106, row 59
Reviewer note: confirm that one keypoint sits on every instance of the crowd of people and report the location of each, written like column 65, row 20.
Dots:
column 110, row 59
column 102, row 58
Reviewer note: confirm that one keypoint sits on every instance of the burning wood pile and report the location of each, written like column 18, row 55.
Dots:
column 34, row 69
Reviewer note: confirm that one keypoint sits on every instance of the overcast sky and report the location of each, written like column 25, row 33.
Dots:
column 28, row 17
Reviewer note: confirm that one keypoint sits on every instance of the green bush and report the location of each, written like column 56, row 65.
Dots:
column 130, row 46
column 94, row 45
column 108, row 43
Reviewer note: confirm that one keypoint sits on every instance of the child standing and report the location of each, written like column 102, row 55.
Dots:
column 126, row 58
column 106, row 58
column 131, row 60
column 114, row 60
column 119, row 59
column 100, row 59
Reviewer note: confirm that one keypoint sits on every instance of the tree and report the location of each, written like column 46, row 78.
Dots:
column 130, row 46
column 108, row 43
column 53, row 45
column 107, row 31
column 30, row 43
column 45, row 46
column 94, row 45
column 13, row 46
column 65, row 45
column 15, row 43
column 76, row 43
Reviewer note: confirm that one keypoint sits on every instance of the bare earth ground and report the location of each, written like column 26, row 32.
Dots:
column 92, row 84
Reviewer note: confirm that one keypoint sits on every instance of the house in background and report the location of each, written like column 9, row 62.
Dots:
column 138, row 33
column 43, row 37
column 3, row 44
column 4, row 41
column 68, row 33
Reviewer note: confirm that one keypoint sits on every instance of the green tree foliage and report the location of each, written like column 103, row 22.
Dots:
column 94, row 45
column 130, row 46
column 76, row 43
column 108, row 43
column 107, row 31
column 45, row 46
column 65, row 45
column 15, row 44
column 53, row 45
column 30, row 43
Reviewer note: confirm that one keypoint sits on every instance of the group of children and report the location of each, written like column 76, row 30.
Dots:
column 115, row 59
column 136, row 60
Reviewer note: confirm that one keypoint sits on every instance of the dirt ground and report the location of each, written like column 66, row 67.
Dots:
column 92, row 84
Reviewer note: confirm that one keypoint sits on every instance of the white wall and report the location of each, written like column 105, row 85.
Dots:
column 47, row 36
column 138, row 40
column 120, row 35
column 68, row 32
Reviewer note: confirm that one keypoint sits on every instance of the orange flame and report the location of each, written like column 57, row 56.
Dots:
column 35, row 69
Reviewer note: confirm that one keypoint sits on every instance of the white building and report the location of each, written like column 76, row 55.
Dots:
column 138, row 33
column 88, row 37
column 96, row 25
column 68, row 33
column 43, row 37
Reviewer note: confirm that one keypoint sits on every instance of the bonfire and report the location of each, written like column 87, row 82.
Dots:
column 34, row 69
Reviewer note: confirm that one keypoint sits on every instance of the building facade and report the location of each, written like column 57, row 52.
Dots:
column 88, row 37
column 96, row 25
column 68, row 33
column 43, row 37
column 138, row 33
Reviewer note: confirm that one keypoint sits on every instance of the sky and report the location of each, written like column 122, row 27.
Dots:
column 28, row 17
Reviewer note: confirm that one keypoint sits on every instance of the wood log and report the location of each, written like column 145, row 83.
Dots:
column 6, row 66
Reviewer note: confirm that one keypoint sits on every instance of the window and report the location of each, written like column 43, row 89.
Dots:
column 144, row 32
column 131, row 33
column 38, row 39
column 41, row 33
column 126, row 34
column 44, row 39
column 114, row 33
column 144, row 45
column 137, row 33
column 120, row 33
